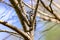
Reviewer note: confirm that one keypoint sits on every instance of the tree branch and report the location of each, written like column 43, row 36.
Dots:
column 39, row 11
column 23, row 34
column 57, row 5
column 24, row 13
column 8, row 32
column 45, row 16
column 35, row 10
column 21, row 17
column 56, row 16
column 51, row 6
column 11, row 33
column 34, row 16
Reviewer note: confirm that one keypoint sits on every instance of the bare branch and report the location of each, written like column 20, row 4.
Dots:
column 46, row 16
column 11, row 33
column 56, row 16
column 45, row 6
column 34, row 16
column 51, row 6
column 8, row 32
column 21, row 17
column 36, row 10
column 39, row 11
column 57, row 5
column 49, row 19
column 24, row 13
column 23, row 34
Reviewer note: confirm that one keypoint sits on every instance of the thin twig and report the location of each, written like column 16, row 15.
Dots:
column 51, row 6
column 20, row 32
column 38, row 11
column 57, row 5
column 56, row 16
column 24, row 14
column 34, row 20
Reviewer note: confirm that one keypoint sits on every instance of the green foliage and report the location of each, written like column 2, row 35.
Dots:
column 54, row 33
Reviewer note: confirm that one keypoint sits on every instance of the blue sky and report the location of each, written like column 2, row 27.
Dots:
column 8, row 14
